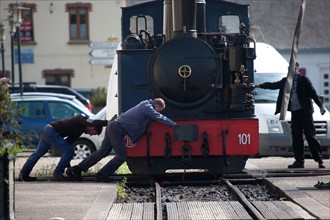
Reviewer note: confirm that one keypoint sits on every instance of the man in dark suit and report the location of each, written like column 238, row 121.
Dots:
column 301, row 107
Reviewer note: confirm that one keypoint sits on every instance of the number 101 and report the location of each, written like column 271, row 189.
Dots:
column 244, row 139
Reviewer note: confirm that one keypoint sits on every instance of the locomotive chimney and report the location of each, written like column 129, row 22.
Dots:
column 168, row 21
column 184, row 18
column 200, row 16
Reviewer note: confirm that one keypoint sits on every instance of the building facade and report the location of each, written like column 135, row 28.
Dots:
column 63, row 42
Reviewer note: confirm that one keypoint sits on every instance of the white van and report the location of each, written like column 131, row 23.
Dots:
column 275, row 135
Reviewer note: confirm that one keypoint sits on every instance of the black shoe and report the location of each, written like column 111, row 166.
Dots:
column 321, row 165
column 74, row 172
column 318, row 184
column 322, row 185
column 60, row 177
column 102, row 178
column 26, row 178
column 296, row 164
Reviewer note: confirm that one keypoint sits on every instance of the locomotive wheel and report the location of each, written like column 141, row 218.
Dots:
column 215, row 165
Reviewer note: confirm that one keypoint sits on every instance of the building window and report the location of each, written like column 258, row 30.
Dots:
column 58, row 76
column 78, row 21
column 26, row 28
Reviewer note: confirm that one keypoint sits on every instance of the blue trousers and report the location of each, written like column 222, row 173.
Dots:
column 48, row 138
column 114, row 138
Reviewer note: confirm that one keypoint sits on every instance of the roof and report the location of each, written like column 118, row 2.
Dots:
column 33, row 94
column 16, row 97
column 274, row 22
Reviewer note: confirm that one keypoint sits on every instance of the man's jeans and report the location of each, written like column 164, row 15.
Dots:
column 48, row 138
column 113, row 138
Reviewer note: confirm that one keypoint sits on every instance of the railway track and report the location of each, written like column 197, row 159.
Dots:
column 207, row 197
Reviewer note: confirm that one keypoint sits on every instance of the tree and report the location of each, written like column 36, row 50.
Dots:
column 11, row 138
column 98, row 98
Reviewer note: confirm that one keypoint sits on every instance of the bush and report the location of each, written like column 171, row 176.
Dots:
column 98, row 98
column 11, row 138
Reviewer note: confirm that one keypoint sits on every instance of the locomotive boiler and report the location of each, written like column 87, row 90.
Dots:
column 198, row 56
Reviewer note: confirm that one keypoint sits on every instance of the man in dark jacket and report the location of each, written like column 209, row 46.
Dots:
column 301, row 107
column 134, row 123
column 61, row 134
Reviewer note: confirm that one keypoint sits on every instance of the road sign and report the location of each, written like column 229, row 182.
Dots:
column 104, row 44
column 102, row 53
column 103, row 62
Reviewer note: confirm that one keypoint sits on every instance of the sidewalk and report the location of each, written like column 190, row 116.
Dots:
column 63, row 200
column 43, row 200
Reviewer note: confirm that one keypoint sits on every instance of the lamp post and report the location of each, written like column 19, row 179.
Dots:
column 17, row 16
column 12, row 32
column 2, row 39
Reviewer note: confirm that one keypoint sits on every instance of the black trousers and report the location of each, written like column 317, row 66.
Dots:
column 304, row 123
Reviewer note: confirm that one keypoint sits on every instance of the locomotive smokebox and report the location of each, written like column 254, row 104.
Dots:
column 184, row 18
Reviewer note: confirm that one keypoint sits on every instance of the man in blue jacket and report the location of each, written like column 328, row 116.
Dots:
column 134, row 123
column 301, row 107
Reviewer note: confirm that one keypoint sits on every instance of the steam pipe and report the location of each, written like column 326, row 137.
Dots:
column 201, row 16
column 168, row 20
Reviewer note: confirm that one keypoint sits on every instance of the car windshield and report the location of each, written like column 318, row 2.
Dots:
column 266, row 95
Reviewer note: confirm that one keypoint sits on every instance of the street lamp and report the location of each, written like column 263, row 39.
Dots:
column 17, row 16
column 12, row 31
column 2, row 39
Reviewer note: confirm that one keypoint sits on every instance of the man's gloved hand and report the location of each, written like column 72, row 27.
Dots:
column 322, row 110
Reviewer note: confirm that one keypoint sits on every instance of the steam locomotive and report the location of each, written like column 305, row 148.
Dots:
column 197, row 55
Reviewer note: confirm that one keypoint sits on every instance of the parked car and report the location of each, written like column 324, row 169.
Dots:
column 59, row 95
column 87, row 144
column 40, row 110
column 32, row 87
column 85, row 92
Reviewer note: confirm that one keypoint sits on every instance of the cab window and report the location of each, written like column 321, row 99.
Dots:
column 141, row 22
column 228, row 24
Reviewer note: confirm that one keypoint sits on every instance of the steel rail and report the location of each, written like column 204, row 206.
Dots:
column 250, row 208
column 159, row 212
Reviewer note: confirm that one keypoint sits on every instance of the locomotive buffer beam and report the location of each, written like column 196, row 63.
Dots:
column 148, row 149
column 224, row 146
column 186, row 133
column 167, row 153
column 205, row 145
